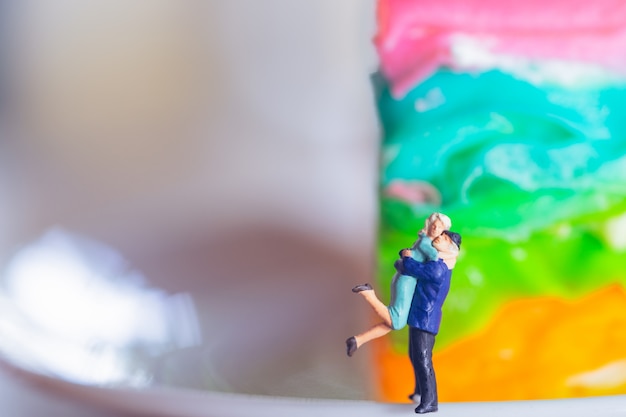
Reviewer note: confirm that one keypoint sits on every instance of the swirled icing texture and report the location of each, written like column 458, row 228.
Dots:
column 532, row 176
column 511, row 121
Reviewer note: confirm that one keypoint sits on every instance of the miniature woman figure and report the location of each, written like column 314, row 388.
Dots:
column 402, row 286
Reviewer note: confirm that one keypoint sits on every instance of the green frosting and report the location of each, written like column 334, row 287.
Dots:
column 533, row 178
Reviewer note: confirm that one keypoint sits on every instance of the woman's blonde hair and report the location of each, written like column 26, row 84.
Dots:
column 445, row 220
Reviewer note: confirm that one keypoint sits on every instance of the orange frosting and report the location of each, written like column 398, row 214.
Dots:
column 538, row 348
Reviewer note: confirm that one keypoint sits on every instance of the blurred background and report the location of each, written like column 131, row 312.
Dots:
column 225, row 151
column 189, row 189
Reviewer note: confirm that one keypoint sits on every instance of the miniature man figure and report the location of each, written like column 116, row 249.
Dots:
column 433, row 283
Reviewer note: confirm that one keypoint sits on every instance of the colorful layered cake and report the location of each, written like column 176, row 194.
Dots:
column 509, row 118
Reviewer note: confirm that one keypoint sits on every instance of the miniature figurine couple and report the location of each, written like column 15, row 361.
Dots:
column 418, row 290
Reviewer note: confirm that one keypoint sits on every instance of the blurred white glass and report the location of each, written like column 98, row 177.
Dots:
column 72, row 308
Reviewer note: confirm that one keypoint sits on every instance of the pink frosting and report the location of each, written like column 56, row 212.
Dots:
column 414, row 192
column 415, row 36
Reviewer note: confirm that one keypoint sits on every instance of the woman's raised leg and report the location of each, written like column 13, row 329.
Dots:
column 379, row 307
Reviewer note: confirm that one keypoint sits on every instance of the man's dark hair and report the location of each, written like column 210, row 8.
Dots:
column 455, row 237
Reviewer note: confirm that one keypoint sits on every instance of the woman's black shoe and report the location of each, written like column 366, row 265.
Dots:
column 362, row 287
column 351, row 346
